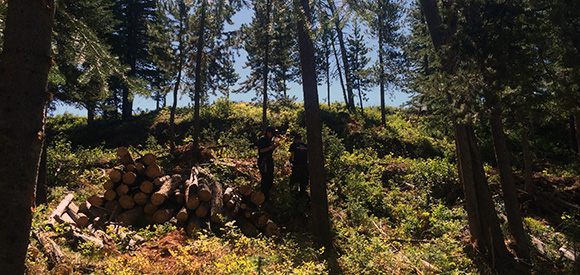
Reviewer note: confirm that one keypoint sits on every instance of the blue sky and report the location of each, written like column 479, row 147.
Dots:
column 393, row 98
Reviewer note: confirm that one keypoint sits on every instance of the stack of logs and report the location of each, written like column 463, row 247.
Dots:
column 138, row 193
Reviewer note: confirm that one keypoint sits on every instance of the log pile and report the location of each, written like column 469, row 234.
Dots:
column 139, row 193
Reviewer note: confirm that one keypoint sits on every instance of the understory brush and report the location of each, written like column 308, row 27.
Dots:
column 388, row 220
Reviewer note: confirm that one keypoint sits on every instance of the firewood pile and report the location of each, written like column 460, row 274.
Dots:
column 139, row 193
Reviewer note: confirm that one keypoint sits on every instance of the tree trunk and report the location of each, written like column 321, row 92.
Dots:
column 320, row 219
column 127, row 105
column 528, row 159
column 360, row 97
column 41, row 184
column 483, row 222
column 327, row 71
column 24, row 65
column 340, row 74
column 382, row 74
column 510, row 196
column 350, row 94
column 577, row 132
column 172, row 114
column 265, row 70
column 198, row 81
column 177, row 84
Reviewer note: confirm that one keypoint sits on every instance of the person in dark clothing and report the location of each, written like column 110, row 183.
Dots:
column 299, row 160
column 266, row 146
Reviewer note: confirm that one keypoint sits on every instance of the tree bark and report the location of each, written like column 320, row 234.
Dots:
column 577, row 132
column 483, row 222
column 510, row 196
column 265, row 70
column 198, row 81
column 528, row 161
column 350, row 94
column 166, row 190
column 177, row 84
column 340, row 74
column 216, row 202
column 382, row 69
column 320, row 219
column 41, row 184
column 24, row 65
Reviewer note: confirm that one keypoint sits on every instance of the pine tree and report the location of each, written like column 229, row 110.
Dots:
column 358, row 61
column 383, row 19
column 172, row 48
column 24, row 68
column 130, row 42
column 213, row 64
column 84, row 63
column 269, row 43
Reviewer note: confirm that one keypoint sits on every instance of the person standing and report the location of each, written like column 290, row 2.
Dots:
column 299, row 159
column 266, row 146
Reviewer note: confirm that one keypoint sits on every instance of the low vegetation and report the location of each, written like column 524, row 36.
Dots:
column 394, row 197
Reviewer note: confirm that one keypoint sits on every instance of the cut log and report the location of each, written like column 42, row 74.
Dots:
column 140, row 198
column 234, row 208
column 153, row 171
column 140, row 168
column 182, row 216
column 228, row 194
column 130, row 216
column 160, row 180
column 204, row 193
column 245, row 190
column 193, row 223
column 113, row 208
column 147, row 187
column 125, row 156
column 81, row 219
column 62, row 206
column 92, row 211
column 260, row 218
column 150, row 208
column 191, row 188
column 65, row 218
column 202, row 210
column 246, row 227
column 115, row 175
column 164, row 213
column 271, row 229
column 192, row 202
column 129, row 178
column 178, row 196
column 78, row 235
column 126, row 202
column 110, row 195
column 149, row 159
column 216, row 202
column 130, row 168
column 57, row 260
column 122, row 190
column 96, row 200
column 257, row 197
column 108, row 185
column 166, row 190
